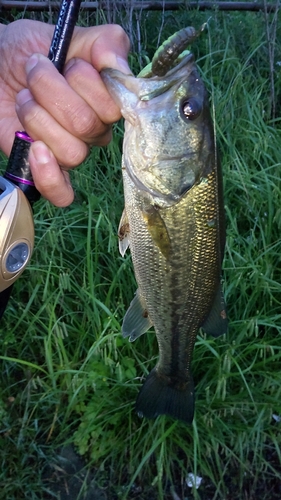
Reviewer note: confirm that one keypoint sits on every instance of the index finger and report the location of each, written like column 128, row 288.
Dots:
column 105, row 46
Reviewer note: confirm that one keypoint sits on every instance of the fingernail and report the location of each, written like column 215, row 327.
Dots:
column 33, row 60
column 23, row 96
column 31, row 63
column 123, row 65
column 41, row 152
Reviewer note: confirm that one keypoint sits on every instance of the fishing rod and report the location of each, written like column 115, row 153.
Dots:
column 17, row 189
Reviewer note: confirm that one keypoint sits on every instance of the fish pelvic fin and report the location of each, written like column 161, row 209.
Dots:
column 159, row 397
column 136, row 321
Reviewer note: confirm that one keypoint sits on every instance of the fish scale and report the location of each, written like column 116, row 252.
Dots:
column 171, row 288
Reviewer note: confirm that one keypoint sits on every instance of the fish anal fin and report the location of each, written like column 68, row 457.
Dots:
column 159, row 397
column 123, row 233
column 136, row 320
column 217, row 322
column 157, row 230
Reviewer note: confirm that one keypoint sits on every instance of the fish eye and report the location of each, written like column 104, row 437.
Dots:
column 190, row 108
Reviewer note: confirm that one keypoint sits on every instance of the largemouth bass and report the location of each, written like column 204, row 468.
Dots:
column 173, row 219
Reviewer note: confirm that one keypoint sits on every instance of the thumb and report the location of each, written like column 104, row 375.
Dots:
column 52, row 182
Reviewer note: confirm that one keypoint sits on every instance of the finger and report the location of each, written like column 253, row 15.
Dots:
column 52, row 182
column 105, row 46
column 67, row 107
column 86, row 81
column 69, row 150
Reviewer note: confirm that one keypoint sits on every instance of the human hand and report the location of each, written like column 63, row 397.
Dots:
column 64, row 115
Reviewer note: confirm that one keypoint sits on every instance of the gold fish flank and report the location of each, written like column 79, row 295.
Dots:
column 174, row 223
column 170, row 306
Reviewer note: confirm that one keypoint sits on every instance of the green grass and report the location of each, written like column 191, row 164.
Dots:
column 68, row 376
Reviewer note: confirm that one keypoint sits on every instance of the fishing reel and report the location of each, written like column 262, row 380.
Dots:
column 16, row 233
column 17, row 195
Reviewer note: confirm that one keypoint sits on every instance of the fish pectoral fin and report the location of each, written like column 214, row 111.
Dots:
column 136, row 320
column 157, row 230
column 217, row 322
column 123, row 233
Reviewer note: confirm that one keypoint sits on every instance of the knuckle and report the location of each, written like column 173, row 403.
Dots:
column 74, row 155
column 30, row 114
column 121, row 37
column 83, row 122
column 115, row 114
column 73, row 74
column 111, row 112
column 103, row 139
column 39, row 79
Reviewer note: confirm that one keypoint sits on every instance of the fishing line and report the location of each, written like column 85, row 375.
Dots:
column 212, row 87
column 214, row 116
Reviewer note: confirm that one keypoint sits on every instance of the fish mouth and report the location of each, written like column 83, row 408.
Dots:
column 157, row 85
column 127, row 90
column 159, row 178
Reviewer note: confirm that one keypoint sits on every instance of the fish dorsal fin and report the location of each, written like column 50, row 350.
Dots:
column 136, row 320
column 123, row 233
column 216, row 323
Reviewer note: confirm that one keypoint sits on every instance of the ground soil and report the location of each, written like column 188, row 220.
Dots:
column 69, row 479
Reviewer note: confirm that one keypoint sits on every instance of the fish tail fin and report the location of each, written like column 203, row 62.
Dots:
column 158, row 397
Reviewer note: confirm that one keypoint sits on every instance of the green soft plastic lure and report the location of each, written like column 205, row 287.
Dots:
column 169, row 54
